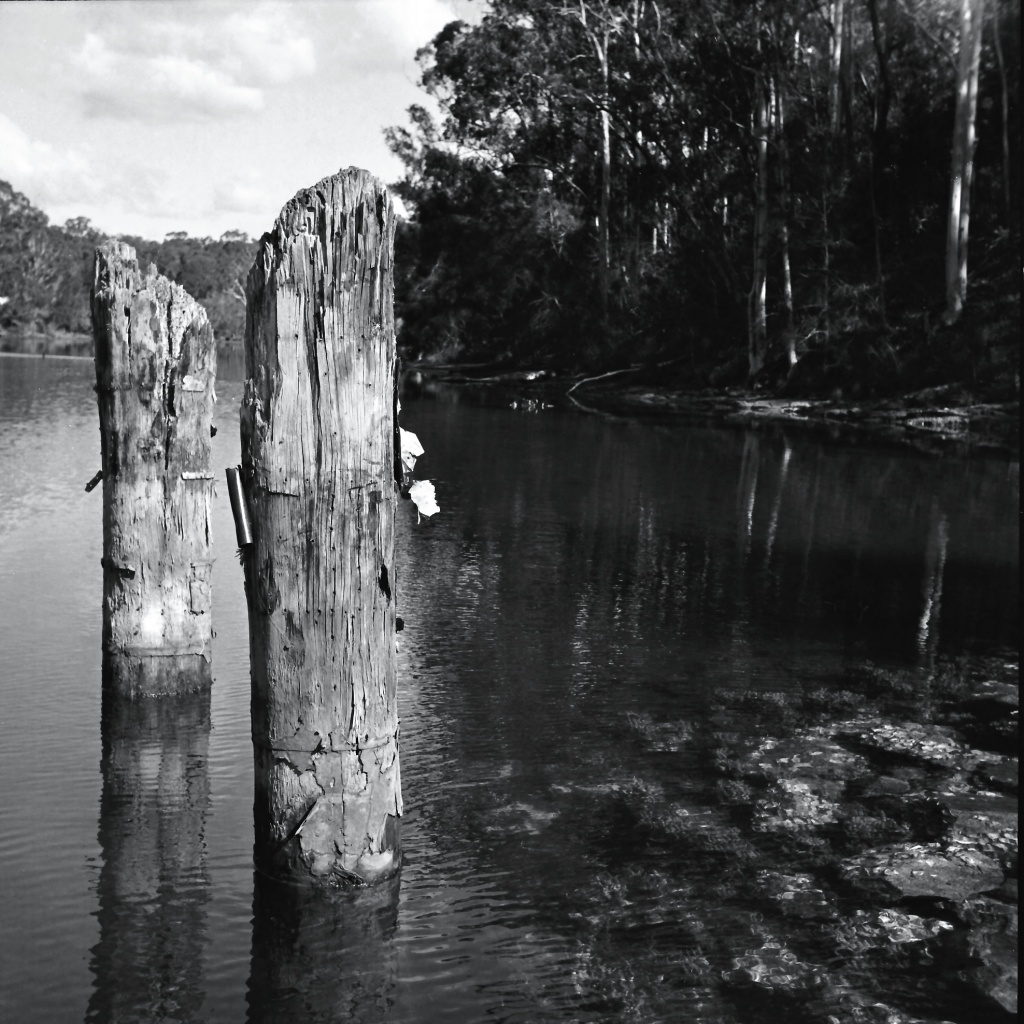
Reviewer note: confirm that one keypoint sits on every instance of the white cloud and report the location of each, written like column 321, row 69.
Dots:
column 242, row 197
column 203, row 115
column 188, row 62
column 32, row 166
column 66, row 183
column 262, row 47
column 409, row 26
column 382, row 35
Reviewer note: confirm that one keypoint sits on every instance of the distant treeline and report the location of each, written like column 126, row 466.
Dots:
column 46, row 271
column 729, row 185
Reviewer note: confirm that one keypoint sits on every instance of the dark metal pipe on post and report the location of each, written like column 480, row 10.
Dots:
column 239, row 507
column 319, row 473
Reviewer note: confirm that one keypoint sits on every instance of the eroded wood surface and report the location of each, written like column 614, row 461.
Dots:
column 318, row 465
column 155, row 372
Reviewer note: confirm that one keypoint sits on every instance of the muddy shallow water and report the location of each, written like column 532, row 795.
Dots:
column 692, row 720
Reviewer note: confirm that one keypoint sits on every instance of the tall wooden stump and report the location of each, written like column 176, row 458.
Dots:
column 155, row 370
column 318, row 465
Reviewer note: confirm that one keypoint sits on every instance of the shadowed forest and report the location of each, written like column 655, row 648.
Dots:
column 731, row 189
column 807, row 194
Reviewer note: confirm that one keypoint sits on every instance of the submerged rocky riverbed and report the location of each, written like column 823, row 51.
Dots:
column 864, row 841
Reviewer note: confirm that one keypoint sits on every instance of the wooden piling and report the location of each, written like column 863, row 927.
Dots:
column 155, row 370
column 319, row 469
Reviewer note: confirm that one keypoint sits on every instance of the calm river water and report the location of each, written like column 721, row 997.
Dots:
column 589, row 584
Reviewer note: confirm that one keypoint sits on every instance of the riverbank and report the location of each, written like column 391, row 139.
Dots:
column 230, row 354
column 948, row 418
column 46, row 343
column 933, row 419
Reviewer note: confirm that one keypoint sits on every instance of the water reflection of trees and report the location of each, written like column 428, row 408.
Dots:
column 623, row 527
column 153, row 884
column 590, row 550
column 588, row 574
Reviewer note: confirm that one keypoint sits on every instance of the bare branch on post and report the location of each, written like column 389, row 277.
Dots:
column 319, row 468
column 155, row 370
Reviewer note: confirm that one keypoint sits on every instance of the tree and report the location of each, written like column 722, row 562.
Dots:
column 972, row 15
column 757, row 316
column 79, row 227
column 724, row 184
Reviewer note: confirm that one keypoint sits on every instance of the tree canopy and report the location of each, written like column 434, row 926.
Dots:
column 730, row 185
column 46, row 271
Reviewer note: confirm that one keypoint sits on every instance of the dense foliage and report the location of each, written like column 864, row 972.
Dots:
column 46, row 271
column 621, row 181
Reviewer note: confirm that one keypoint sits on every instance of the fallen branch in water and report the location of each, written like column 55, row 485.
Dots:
column 615, row 373
column 601, row 376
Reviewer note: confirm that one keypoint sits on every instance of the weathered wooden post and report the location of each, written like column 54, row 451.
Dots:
column 319, row 468
column 155, row 369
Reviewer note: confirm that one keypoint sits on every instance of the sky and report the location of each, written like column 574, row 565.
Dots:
column 151, row 116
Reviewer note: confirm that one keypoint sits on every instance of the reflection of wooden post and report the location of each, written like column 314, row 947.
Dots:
column 153, row 884
column 318, row 465
column 322, row 958
column 155, row 369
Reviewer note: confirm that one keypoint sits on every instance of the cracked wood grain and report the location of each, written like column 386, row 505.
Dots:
column 318, row 457
column 155, row 371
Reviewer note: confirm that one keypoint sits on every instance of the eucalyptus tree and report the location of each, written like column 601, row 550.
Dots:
column 726, row 183
column 972, row 15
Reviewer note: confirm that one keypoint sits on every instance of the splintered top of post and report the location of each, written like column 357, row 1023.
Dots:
column 322, row 210
column 339, row 231
column 320, row 334
column 142, row 321
column 116, row 267
column 350, row 188
column 116, row 249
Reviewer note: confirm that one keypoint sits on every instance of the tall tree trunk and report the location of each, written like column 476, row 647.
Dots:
column 883, row 94
column 826, row 267
column 971, row 19
column 787, row 274
column 599, row 40
column 1004, row 98
column 836, row 85
column 879, row 155
column 319, row 467
column 639, row 232
column 606, row 180
column 845, row 71
column 757, row 323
